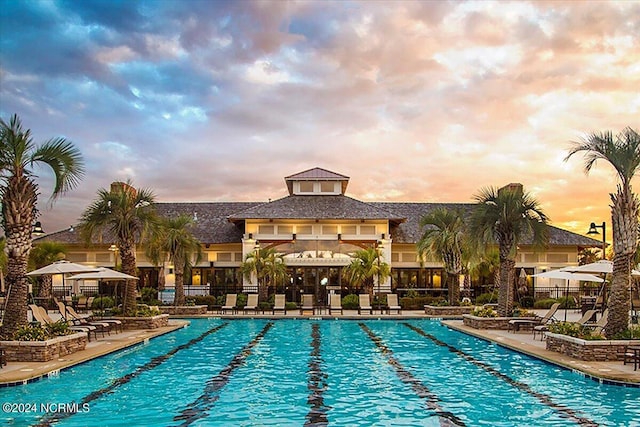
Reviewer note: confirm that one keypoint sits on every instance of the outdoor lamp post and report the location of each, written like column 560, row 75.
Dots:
column 593, row 229
column 37, row 229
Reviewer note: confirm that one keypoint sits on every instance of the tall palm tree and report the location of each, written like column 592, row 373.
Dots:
column 621, row 151
column 504, row 217
column 19, row 192
column 367, row 265
column 267, row 265
column 43, row 254
column 173, row 240
column 444, row 238
column 126, row 214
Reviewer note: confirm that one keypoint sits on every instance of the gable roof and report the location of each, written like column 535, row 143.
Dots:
column 316, row 207
column 317, row 174
column 223, row 222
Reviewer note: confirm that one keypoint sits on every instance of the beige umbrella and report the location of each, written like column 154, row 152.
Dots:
column 61, row 267
column 106, row 274
column 568, row 275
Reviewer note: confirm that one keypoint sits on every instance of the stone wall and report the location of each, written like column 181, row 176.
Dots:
column 153, row 322
column 598, row 350
column 441, row 311
column 183, row 310
column 43, row 351
column 490, row 322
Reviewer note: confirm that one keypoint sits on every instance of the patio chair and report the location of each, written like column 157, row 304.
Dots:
column 252, row 304
column 41, row 316
column 279, row 304
column 392, row 304
column 230, row 304
column 307, row 304
column 364, row 305
column 82, row 303
column 68, row 313
column 335, row 303
column 599, row 326
column 112, row 323
column 516, row 324
column 541, row 329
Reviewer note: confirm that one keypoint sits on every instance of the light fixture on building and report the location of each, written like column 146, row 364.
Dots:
column 37, row 229
column 593, row 229
column 250, row 236
column 293, row 236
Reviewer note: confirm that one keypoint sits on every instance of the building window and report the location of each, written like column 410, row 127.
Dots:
column 560, row 258
column 224, row 256
column 329, row 229
column 530, row 257
column 327, row 187
column 349, row 229
column 367, row 229
column 265, row 229
column 306, row 187
column 304, row 229
column 285, row 229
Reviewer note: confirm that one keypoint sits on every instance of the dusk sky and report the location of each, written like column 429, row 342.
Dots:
column 414, row 100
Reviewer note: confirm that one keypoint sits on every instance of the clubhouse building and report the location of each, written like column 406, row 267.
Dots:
column 317, row 226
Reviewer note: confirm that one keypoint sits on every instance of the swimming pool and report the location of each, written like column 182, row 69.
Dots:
column 318, row 372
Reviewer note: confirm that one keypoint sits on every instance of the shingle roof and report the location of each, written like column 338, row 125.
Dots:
column 316, row 174
column 316, row 207
column 222, row 222
column 409, row 231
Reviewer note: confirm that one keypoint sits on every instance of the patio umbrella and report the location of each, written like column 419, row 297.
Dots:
column 104, row 273
column 61, row 267
column 568, row 275
column 603, row 266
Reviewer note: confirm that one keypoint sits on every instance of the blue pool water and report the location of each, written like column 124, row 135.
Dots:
column 305, row 372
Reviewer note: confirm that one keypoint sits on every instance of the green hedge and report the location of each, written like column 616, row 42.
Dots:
column 351, row 302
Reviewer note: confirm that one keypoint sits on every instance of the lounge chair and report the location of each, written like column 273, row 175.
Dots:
column 252, row 304
column 76, row 318
column 68, row 313
column 335, row 303
column 392, row 304
column 307, row 304
column 541, row 329
column 230, row 304
column 279, row 304
column 600, row 325
column 365, row 305
column 516, row 324
column 41, row 316
column 82, row 303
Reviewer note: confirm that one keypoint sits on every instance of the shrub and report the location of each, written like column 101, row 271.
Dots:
column 418, row 303
column 567, row 302
column 487, row 297
column 241, row 301
column 526, row 302
column 59, row 328
column 545, row 303
column 521, row 312
column 102, row 303
column 209, row 300
column 574, row 330
column 484, row 312
column 265, row 305
column 31, row 332
column 148, row 294
column 633, row 333
column 290, row 306
column 351, row 302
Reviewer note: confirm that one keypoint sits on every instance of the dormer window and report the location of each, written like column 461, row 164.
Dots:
column 317, row 181
column 306, row 187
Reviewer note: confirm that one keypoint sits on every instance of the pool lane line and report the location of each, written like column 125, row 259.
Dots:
column 446, row 418
column 317, row 416
column 564, row 411
column 199, row 408
column 52, row 417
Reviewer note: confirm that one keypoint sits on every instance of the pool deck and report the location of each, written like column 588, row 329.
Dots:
column 15, row 373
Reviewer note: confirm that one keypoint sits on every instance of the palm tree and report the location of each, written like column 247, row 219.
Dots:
column 126, row 215
column 443, row 239
column 621, row 151
column 267, row 265
column 367, row 265
column 173, row 240
column 19, row 192
column 43, row 254
column 505, row 216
